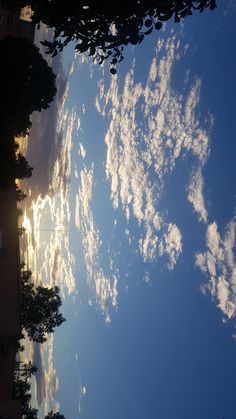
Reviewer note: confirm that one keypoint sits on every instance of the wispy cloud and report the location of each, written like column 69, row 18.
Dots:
column 105, row 287
column 151, row 127
column 219, row 265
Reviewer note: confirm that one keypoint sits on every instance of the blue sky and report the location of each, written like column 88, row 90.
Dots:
column 132, row 213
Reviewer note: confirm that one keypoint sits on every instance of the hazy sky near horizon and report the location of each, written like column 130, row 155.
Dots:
column 131, row 212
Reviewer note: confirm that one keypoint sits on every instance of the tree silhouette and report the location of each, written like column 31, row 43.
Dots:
column 53, row 415
column 20, row 195
column 26, row 370
column 22, row 389
column 103, row 28
column 25, row 88
column 40, row 310
column 21, row 167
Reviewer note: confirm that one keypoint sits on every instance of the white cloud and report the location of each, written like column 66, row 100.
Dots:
column 47, row 382
column 105, row 287
column 172, row 244
column 142, row 152
column 218, row 263
column 147, row 278
column 51, row 216
column 195, row 195
column 82, row 151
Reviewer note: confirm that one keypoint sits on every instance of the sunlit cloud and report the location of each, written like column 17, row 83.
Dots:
column 152, row 127
column 105, row 287
column 46, row 249
column 82, row 151
column 219, row 265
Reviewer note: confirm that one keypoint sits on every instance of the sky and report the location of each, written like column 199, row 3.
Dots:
column 131, row 212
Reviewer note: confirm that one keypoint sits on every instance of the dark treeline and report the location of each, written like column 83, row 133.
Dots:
column 27, row 85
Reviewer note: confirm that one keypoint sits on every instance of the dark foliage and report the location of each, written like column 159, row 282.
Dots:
column 39, row 310
column 52, row 415
column 13, row 165
column 20, row 195
column 22, row 389
column 27, row 84
column 102, row 29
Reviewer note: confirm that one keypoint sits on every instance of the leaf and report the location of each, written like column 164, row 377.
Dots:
column 141, row 38
column 148, row 23
column 81, row 47
column 46, row 43
column 177, row 18
column 158, row 26
column 148, row 32
column 165, row 16
column 92, row 50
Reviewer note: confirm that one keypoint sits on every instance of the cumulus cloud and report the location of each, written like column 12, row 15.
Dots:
column 152, row 127
column 219, row 265
column 172, row 244
column 195, row 195
column 105, row 287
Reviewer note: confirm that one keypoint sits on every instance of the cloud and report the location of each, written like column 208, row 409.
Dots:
column 81, row 395
column 151, row 127
column 172, row 244
column 82, row 151
column 39, row 377
column 47, row 382
column 195, row 194
column 105, row 287
column 49, row 216
column 219, row 265
column 147, row 278
column 46, row 138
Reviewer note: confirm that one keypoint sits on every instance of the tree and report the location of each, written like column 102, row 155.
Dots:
column 52, row 415
column 25, row 88
column 12, row 166
column 22, row 392
column 25, row 274
column 20, row 195
column 21, row 167
column 25, row 370
column 104, row 28
column 40, row 311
